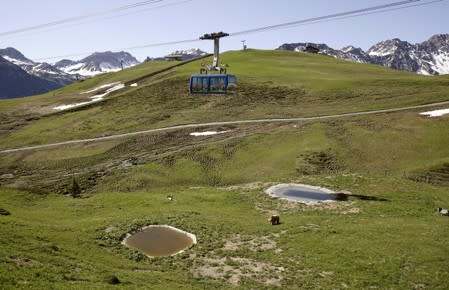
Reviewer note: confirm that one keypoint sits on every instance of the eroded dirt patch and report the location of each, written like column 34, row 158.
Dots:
column 23, row 261
column 233, row 270
column 252, row 243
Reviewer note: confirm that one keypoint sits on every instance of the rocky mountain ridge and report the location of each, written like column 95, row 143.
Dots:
column 430, row 57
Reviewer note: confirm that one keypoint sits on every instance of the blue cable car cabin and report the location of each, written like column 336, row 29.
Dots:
column 211, row 84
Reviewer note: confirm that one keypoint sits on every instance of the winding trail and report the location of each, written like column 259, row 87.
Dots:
column 210, row 124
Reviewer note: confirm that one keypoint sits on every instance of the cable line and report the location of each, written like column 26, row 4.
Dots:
column 81, row 17
column 103, row 18
column 369, row 13
column 315, row 19
column 327, row 18
column 124, row 48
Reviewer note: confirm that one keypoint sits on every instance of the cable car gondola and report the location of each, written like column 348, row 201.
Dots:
column 211, row 84
column 205, row 83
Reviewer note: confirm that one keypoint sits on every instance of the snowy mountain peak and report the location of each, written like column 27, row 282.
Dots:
column 437, row 43
column 439, row 39
column 348, row 48
column 15, row 82
column 43, row 71
column 16, row 57
column 97, row 63
column 430, row 57
column 388, row 47
column 192, row 51
column 188, row 54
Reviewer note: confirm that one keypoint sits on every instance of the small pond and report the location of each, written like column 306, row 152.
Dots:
column 304, row 193
column 157, row 241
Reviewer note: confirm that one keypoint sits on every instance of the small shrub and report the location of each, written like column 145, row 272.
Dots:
column 76, row 189
column 4, row 212
column 169, row 161
column 113, row 280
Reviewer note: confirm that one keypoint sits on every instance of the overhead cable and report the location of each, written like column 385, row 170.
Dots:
column 315, row 19
column 75, row 23
column 80, row 17
column 337, row 16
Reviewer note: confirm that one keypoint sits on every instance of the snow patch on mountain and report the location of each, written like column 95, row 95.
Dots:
column 17, row 61
column 105, row 86
column 95, row 98
column 441, row 63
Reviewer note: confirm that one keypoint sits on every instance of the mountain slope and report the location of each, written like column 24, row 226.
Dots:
column 305, row 85
column 15, row 82
column 42, row 70
column 430, row 57
column 98, row 63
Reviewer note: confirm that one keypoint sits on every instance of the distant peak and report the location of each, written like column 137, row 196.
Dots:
column 350, row 48
column 98, row 62
column 12, row 49
column 443, row 36
column 439, row 38
column 14, row 54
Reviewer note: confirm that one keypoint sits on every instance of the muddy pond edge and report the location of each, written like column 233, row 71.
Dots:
column 190, row 235
column 272, row 189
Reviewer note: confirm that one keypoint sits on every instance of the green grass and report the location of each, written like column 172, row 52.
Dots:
column 388, row 235
column 272, row 84
column 35, row 106
column 393, row 244
column 124, row 76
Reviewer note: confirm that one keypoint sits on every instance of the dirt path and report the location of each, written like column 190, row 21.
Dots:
column 211, row 124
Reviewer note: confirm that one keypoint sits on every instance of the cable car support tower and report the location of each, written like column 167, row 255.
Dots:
column 214, row 83
column 216, row 65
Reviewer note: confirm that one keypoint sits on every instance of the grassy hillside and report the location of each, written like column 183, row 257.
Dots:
column 271, row 84
column 387, row 235
column 20, row 112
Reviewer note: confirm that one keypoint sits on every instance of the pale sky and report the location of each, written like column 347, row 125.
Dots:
column 191, row 19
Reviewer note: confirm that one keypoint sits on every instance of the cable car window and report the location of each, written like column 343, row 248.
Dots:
column 199, row 85
column 195, row 85
column 211, row 84
column 205, row 87
column 217, row 84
